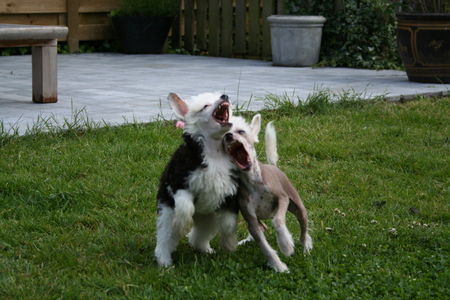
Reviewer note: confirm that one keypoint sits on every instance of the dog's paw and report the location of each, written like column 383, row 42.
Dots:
column 164, row 261
column 208, row 250
column 307, row 244
column 287, row 246
column 279, row 267
column 204, row 249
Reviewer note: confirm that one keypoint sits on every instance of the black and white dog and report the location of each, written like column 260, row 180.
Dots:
column 198, row 190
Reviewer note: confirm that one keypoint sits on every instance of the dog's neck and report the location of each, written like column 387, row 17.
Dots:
column 254, row 175
column 211, row 148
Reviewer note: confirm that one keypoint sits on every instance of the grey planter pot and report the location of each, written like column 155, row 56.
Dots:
column 295, row 39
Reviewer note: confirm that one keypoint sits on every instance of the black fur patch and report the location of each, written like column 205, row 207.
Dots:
column 186, row 159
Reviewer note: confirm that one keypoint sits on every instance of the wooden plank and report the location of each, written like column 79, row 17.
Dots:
column 227, row 29
column 188, row 25
column 89, row 6
column 32, row 6
column 73, row 22
column 201, row 24
column 253, row 28
column 31, row 19
column 268, row 9
column 93, row 32
column 240, row 27
column 62, row 19
column 23, row 43
column 96, row 18
column 213, row 28
column 44, row 70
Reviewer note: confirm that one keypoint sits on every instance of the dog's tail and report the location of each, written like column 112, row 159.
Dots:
column 271, row 144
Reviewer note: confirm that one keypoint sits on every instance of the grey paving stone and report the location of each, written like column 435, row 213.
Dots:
column 118, row 88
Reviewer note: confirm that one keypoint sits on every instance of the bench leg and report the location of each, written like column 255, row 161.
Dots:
column 44, row 73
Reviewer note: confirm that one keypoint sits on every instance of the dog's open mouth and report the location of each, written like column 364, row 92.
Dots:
column 221, row 114
column 240, row 156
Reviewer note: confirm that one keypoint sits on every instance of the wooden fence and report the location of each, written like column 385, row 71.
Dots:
column 225, row 27
column 229, row 28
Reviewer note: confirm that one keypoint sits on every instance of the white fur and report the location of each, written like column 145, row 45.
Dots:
column 166, row 237
column 184, row 210
column 271, row 144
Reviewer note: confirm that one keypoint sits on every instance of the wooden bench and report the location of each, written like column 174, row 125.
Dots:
column 43, row 40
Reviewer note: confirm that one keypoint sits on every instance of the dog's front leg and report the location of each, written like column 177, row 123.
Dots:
column 254, row 228
column 204, row 230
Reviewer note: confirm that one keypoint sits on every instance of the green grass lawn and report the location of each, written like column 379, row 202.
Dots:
column 78, row 210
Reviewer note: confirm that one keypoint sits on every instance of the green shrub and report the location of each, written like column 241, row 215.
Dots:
column 161, row 8
column 362, row 35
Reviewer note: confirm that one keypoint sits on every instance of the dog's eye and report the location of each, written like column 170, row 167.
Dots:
column 241, row 132
column 204, row 107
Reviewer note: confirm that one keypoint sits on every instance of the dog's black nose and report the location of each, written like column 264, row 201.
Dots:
column 224, row 97
column 228, row 137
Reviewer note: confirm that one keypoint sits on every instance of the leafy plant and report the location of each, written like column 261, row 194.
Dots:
column 160, row 8
column 426, row 6
column 361, row 35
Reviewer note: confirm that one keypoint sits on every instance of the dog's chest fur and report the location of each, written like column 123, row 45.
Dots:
column 213, row 184
column 206, row 173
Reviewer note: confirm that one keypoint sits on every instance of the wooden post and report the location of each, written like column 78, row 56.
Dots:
column 188, row 25
column 44, row 72
column 227, row 28
column 214, row 28
column 254, row 28
column 200, row 33
column 268, row 10
column 73, row 22
column 241, row 28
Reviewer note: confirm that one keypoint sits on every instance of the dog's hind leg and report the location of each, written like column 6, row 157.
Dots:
column 298, row 209
column 166, row 238
column 204, row 230
column 227, row 224
column 253, row 226
column 284, row 237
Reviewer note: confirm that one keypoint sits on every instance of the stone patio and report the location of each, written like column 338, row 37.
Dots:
column 118, row 88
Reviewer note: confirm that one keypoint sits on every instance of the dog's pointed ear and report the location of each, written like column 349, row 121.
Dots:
column 179, row 107
column 256, row 126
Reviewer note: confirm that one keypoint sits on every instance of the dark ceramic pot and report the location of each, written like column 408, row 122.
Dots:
column 424, row 46
column 142, row 34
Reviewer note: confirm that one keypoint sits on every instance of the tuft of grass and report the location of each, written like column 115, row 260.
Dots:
column 77, row 211
column 319, row 102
